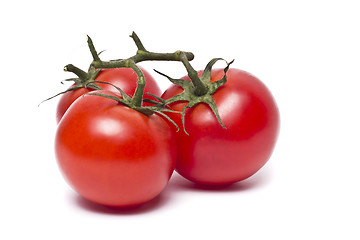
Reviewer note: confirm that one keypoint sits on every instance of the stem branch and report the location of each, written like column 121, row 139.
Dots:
column 137, row 41
column 200, row 87
column 77, row 71
column 92, row 49
column 142, row 56
column 137, row 98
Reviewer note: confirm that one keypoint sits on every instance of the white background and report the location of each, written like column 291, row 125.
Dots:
column 306, row 52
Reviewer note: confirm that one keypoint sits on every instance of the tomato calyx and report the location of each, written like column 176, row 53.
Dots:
column 83, row 80
column 199, row 89
column 159, row 105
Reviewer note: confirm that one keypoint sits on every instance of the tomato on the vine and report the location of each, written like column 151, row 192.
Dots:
column 113, row 155
column 124, row 78
column 212, row 155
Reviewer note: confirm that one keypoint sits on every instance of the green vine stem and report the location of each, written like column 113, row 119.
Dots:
column 200, row 87
column 139, row 91
column 88, row 79
column 77, row 71
column 141, row 55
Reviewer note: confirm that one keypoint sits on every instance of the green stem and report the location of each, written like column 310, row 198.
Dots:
column 137, row 98
column 137, row 41
column 200, row 87
column 77, row 71
column 140, row 57
column 92, row 49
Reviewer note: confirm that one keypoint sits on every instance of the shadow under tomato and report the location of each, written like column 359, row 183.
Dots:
column 152, row 205
column 259, row 179
column 177, row 184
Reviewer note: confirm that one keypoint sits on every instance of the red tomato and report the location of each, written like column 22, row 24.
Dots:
column 113, row 155
column 212, row 155
column 124, row 78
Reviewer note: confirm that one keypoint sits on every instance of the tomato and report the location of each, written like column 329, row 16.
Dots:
column 124, row 78
column 212, row 155
column 113, row 155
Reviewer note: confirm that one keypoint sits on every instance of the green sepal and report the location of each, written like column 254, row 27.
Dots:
column 75, row 80
column 159, row 108
column 122, row 101
column 181, row 82
column 93, row 86
column 150, row 101
column 84, row 80
column 156, row 97
column 167, row 117
column 159, row 102
column 122, row 93
column 215, row 85
column 206, row 75
column 68, row 90
column 190, row 94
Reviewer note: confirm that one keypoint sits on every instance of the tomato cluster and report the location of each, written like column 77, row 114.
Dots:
column 117, row 146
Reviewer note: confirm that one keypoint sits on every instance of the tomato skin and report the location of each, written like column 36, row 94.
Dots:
column 67, row 99
column 113, row 155
column 212, row 155
column 124, row 78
